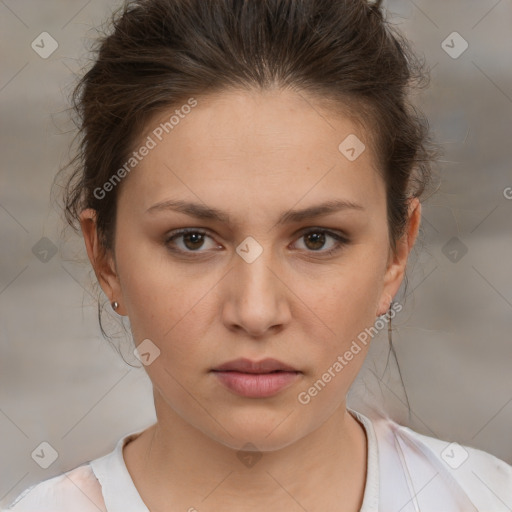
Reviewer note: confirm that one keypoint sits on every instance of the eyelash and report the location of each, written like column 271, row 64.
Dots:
column 341, row 241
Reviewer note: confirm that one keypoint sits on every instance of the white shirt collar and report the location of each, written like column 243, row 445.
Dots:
column 119, row 491
column 121, row 495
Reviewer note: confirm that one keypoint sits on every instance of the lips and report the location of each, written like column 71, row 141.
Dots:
column 247, row 366
column 256, row 379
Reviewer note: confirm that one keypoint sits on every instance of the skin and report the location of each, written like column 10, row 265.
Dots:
column 253, row 155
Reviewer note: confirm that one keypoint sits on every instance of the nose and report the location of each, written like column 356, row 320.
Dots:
column 256, row 298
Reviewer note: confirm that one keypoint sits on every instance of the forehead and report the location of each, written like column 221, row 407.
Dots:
column 258, row 147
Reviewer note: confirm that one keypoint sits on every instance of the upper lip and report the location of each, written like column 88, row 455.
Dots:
column 247, row 366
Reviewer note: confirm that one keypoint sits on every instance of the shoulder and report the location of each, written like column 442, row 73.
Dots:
column 77, row 490
column 478, row 472
column 464, row 475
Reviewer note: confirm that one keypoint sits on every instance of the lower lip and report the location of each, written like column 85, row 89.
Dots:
column 257, row 385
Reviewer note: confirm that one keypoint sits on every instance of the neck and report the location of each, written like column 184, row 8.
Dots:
column 173, row 463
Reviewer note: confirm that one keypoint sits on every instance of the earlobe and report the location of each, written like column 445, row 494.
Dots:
column 100, row 259
column 385, row 304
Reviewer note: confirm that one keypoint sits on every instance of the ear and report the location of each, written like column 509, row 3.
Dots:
column 101, row 259
column 398, row 262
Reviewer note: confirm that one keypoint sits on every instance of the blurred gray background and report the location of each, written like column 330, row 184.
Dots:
column 62, row 383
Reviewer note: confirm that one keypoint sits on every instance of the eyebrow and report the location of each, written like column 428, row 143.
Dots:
column 201, row 211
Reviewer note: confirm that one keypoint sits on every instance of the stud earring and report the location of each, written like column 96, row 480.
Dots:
column 114, row 305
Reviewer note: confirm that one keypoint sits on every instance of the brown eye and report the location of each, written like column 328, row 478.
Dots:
column 317, row 239
column 193, row 240
column 189, row 241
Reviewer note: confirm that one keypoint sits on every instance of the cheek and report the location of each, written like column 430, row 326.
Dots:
column 150, row 292
column 166, row 303
column 348, row 301
column 347, row 308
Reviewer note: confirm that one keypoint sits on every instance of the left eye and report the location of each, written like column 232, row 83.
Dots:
column 315, row 239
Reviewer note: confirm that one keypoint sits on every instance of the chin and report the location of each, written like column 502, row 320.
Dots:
column 268, row 431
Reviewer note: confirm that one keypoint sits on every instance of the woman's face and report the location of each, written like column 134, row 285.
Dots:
column 249, row 169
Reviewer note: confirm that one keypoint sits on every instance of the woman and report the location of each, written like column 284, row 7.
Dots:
column 248, row 189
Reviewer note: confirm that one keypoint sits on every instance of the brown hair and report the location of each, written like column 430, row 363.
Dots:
column 161, row 52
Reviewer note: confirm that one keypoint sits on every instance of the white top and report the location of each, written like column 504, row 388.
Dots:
column 406, row 472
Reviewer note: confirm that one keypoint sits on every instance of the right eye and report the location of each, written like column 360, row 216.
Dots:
column 191, row 240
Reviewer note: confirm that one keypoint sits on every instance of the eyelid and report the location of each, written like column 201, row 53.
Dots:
column 341, row 238
column 177, row 233
column 328, row 231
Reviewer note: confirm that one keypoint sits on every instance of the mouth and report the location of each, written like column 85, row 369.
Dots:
column 256, row 379
column 260, row 367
